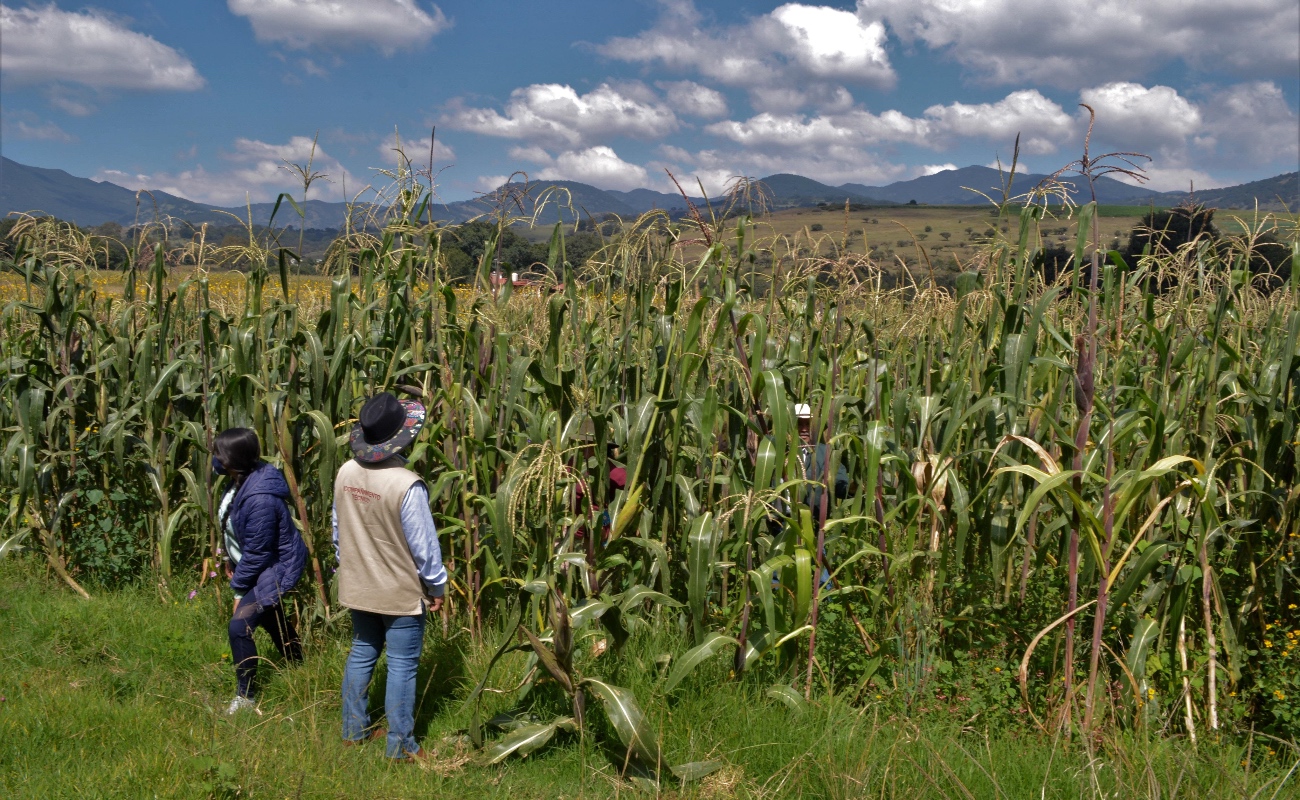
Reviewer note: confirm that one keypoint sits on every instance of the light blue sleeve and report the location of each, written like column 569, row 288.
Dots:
column 422, row 538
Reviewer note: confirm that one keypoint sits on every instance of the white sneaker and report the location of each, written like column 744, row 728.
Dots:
column 240, row 703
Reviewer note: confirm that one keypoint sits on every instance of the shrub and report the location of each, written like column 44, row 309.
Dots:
column 104, row 535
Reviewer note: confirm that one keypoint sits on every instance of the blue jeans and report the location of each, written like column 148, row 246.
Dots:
column 243, row 650
column 405, row 639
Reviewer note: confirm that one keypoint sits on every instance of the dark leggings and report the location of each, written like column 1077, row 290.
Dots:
column 243, row 651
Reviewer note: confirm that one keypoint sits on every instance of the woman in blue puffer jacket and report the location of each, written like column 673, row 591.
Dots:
column 266, row 554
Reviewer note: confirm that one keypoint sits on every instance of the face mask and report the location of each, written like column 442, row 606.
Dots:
column 217, row 467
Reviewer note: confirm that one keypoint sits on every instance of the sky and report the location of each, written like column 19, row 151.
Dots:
column 212, row 100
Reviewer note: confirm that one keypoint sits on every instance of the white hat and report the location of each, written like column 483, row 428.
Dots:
column 802, row 411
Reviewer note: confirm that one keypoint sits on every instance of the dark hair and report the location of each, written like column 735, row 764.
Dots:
column 239, row 452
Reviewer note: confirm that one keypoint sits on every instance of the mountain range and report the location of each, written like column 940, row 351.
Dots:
column 87, row 202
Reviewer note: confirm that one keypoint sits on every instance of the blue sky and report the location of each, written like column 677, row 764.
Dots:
column 209, row 98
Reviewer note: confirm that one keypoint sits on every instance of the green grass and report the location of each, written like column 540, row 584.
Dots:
column 1137, row 212
column 121, row 697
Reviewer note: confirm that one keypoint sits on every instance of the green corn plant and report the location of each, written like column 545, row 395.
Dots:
column 980, row 472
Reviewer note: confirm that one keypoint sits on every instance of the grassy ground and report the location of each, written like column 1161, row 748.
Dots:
column 122, row 696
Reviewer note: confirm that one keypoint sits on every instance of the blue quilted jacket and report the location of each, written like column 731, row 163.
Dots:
column 273, row 553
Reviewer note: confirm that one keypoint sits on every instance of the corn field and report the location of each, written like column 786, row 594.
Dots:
column 1110, row 458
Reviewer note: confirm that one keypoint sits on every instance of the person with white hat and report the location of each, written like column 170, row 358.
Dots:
column 390, row 568
column 814, row 459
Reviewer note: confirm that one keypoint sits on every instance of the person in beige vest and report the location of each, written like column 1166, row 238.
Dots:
column 390, row 569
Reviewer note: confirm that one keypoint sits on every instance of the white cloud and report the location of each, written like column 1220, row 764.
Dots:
column 599, row 166
column 1042, row 124
column 713, row 181
column 844, row 146
column 1160, row 178
column 1141, row 118
column 793, row 56
column 555, row 114
column 490, row 183
column 833, row 164
column 256, row 170
column 417, row 150
column 679, row 42
column 689, row 97
column 27, row 126
column 45, row 44
column 389, row 25
column 826, row 98
column 72, row 101
column 675, row 153
column 1244, row 126
column 831, row 43
column 531, row 153
column 767, row 130
column 312, row 68
column 1021, row 167
column 1075, row 44
column 1251, row 124
column 1248, row 126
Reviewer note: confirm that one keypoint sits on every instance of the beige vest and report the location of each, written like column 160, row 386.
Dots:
column 376, row 571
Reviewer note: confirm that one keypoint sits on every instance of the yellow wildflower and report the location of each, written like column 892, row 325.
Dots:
column 1268, row 642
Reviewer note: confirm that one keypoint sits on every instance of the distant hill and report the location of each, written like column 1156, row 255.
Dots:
column 1274, row 194
column 83, row 201
column 953, row 187
column 87, row 202
column 787, row 191
column 961, row 187
column 317, row 213
column 584, row 199
column 643, row 200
